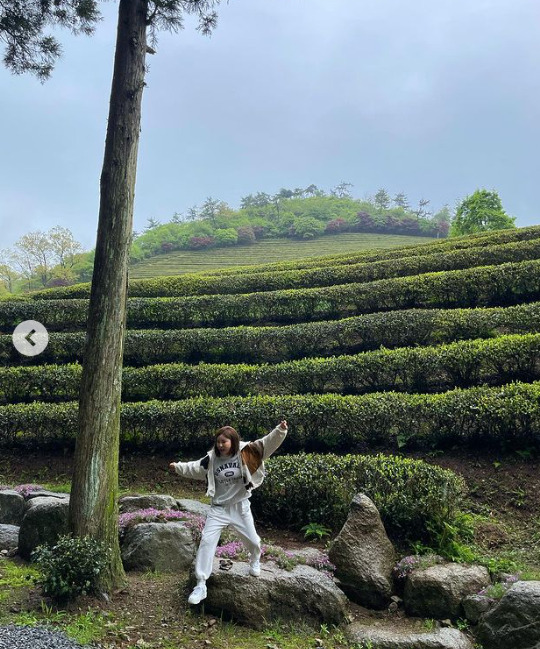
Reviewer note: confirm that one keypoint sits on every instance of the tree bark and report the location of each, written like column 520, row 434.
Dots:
column 94, row 493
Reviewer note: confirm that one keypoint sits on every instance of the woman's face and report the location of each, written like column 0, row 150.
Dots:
column 223, row 445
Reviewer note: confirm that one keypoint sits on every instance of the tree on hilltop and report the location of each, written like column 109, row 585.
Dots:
column 23, row 25
column 422, row 210
column 401, row 200
column 382, row 199
column 343, row 190
column 482, row 211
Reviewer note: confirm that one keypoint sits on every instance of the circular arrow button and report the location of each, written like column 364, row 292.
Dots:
column 30, row 338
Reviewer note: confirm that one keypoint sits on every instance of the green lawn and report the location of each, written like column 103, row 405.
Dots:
column 177, row 263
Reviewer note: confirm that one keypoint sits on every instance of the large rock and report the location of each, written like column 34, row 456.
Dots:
column 163, row 547
column 474, row 606
column 389, row 635
column 193, row 506
column 514, row 623
column 45, row 493
column 364, row 556
column 11, row 507
column 44, row 521
column 438, row 591
column 301, row 594
column 150, row 501
column 9, row 537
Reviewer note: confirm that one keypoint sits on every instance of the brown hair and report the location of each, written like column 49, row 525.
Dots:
column 230, row 433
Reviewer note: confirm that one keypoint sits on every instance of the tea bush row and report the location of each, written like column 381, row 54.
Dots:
column 503, row 417
column 196, row 284
column 418, row 327
column 457, row 243
column 501, row 285
column 410, row 369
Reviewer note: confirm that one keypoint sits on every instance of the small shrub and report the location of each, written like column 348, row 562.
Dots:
column 26, row 489
column 71, row 567
column 315, row 531
column 193, row 522
column 199, row 243
column 405, row 566
column 246, row 235
column 232, row 550
column 497, row 590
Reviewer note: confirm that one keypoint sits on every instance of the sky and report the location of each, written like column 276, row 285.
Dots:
column 434, row 98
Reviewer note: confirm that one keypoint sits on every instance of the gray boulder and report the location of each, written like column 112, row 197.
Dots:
column 437, row 592
column 364, row 556
column 193, row 506
column 155, row 501
column 388, row 635
column 163, row 547
column 475, row 606
column 9, row 537
column 44, row 521
column 515, row 621
column 301, row 594
column 45, row 493
column 309, row 554
column 11, row 507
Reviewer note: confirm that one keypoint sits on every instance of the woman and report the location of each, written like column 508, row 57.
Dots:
column 232, row 469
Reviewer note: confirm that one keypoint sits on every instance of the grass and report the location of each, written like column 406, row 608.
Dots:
column 266, row 251
column 13, row 577
column 161, row 621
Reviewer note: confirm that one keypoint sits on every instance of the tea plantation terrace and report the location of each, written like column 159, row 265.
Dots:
column 394, row 349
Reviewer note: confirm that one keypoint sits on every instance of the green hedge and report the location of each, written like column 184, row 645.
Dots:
column 416, row 369
column 503, row 417
column 483, row 286
column 415, row 499
column 275, row 344
column 196, row 284
column 455, row 243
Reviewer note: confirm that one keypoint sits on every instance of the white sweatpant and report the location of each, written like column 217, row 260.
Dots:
column 241, row 518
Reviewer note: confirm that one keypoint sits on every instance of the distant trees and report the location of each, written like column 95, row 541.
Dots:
column 422, row 209
column 343, row 190
column 306, row 227
column 401, row 200
column 480, row 212
column 45, row 258
column 260, row 199
column 64, row 246
column 8, row 275
column 295, row 213
column 152, row 223
column 212, row 209
column 382, row 199
column 302, row 213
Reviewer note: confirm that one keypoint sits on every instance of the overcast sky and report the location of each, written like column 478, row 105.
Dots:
column 431, row 97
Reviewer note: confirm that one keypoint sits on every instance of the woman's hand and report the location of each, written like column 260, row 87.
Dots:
column 172, row 467
column 283, row 424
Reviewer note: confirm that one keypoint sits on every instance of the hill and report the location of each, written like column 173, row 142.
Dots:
column 270, row 250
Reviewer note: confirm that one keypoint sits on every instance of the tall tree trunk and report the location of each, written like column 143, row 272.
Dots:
column 93, row 507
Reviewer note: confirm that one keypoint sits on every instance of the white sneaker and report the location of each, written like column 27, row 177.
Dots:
column 198, row 594
column 255, row 568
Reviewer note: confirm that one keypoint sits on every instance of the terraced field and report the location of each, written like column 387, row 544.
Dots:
column 177, row 263
column 400, row 349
